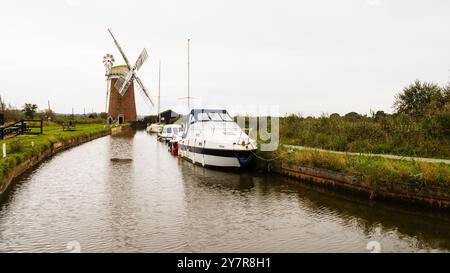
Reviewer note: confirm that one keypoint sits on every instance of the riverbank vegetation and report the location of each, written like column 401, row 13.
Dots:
column 372, row 169
column 24, row 147
column 419, row 126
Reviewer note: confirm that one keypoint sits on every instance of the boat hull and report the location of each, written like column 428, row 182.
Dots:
column 219, row 158
column 154, row 128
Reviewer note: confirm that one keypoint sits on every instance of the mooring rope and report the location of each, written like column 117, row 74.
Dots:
column 265, row 159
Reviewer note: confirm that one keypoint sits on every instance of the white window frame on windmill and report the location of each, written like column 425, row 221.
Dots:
column 110, row 120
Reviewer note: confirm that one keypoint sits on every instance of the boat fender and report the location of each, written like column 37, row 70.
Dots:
column 203, row 154
column 193, row 154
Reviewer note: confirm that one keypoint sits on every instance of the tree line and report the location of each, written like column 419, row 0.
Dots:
column 31, row 111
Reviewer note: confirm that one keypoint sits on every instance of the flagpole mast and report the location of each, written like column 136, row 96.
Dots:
column 189, row 78
column 159, row 93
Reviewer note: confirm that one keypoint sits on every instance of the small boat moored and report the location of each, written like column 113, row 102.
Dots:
column 169, row 132
column 154, row 128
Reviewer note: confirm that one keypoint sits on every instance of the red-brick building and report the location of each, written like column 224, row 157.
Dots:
column 121, row 109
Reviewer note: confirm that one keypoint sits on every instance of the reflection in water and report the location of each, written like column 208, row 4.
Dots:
column 429, row 230
column 302, row 218
column 159, row 203
column 119, row 191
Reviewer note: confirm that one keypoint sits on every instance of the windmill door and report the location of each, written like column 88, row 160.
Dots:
column 121, row 119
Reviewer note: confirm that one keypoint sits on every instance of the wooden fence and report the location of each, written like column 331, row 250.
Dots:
column 25, row 126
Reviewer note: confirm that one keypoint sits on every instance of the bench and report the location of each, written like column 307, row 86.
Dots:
column 69, row 126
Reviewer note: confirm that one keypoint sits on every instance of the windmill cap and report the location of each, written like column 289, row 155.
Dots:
column 118, row 70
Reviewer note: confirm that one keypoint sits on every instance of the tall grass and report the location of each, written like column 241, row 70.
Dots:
column 399, row 134
column 373, row 169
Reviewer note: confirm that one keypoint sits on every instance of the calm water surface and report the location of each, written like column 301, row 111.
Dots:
column 159, row 203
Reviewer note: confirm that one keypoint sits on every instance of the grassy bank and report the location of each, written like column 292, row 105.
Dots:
column 373, row 169
column 24, row 147
column 382, row 134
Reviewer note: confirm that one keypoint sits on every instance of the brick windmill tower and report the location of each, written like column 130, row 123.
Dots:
column 121, row 80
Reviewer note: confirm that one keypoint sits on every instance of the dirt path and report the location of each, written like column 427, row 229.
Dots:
column 429, row 160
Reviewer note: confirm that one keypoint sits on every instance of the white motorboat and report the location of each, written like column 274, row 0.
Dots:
column 154, row 128
column 211, row 138
column 169, row 132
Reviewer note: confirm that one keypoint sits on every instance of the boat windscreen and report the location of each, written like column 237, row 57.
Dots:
column 225, row 117
column 203, row 117
column 213, row 116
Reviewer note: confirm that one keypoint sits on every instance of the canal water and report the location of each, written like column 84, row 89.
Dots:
column 82, row 200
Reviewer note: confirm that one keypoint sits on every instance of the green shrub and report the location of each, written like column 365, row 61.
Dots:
column 16, row 146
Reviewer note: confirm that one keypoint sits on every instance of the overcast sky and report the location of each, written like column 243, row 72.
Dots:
column 308, row 57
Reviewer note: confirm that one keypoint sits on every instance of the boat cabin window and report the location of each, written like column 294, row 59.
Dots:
column 191, row 119
column 169, row 130
column 203, row 117
column 175, row 130
column 213, row 116
column 225, row 117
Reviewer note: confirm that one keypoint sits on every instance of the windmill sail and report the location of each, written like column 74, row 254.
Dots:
column 120, row 49
column 119, row 83
column 124, row 83
column 143, row 90
column 140, row 61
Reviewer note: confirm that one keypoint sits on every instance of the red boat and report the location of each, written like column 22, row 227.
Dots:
column 173, row 147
